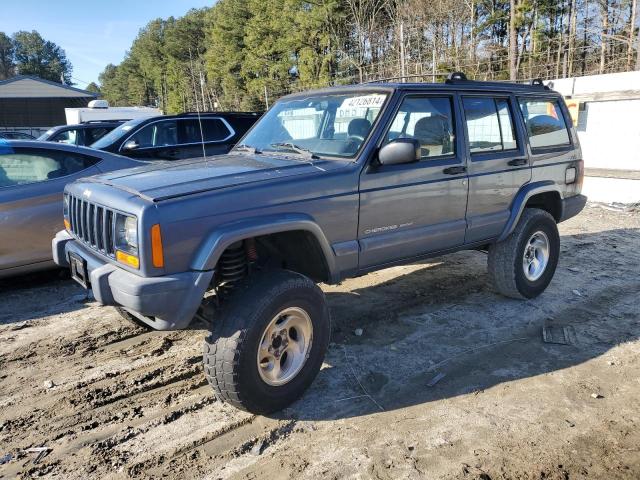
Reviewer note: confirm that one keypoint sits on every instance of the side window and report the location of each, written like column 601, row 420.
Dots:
column 213, row 130
column 489, row 124
column 22, row 166
column 545, row 123
column 69, row 137
column 157, row 134
column 94, row 134
column 430, row 121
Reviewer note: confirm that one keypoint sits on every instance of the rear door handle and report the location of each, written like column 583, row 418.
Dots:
column 454, row 170
column 517, row 162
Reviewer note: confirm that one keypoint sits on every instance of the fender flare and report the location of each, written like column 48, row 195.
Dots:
column 225, row 235
column 520, row 200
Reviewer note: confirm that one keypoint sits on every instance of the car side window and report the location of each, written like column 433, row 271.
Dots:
column 545, row 123
column 70, row 137
column 157, row 134
column 28, row 165
column 428, row 120
column 489, row 124
column 213, row 130
column 92, row 135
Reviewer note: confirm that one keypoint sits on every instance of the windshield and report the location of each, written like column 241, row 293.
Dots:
column 323, row 125
column 117, row 133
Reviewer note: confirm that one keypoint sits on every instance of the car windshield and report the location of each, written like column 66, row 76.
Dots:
column 117, row 133
column 334, row 125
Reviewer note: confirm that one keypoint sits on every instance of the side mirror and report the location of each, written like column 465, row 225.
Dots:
column 130, row 145
column 400, row 150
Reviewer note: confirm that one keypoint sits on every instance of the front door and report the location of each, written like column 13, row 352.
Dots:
column 498, row 165
column 31, row 184
column 413, row 209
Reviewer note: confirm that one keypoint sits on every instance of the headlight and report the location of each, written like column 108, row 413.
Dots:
column 127, row 233
column 65, row 206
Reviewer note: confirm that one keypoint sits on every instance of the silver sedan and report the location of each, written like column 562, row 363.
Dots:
column 32, row 179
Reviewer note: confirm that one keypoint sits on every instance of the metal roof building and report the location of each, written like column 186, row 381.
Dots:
column 31, row 102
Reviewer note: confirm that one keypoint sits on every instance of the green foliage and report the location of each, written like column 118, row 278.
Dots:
column 93, row 88
column 7, row 64
column 33, row 55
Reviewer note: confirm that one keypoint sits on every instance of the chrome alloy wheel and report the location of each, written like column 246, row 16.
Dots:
column 536, row 256
column 285, row 346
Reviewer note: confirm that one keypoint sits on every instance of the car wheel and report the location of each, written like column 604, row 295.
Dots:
column 523, row 265
column 268, row 343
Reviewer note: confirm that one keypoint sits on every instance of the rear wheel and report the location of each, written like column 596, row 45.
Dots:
column 523, row 265
column 269, row 343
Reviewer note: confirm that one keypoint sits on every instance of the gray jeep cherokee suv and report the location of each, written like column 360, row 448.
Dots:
column 329, row 184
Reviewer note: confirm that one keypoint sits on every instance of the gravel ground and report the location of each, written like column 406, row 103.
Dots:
column 111, row 400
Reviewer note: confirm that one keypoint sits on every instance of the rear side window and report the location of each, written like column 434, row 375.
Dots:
column 213, row 130
column 28, row 165
column 489, row 124
column 545, row 123
column 94, row 134
column 428, row 120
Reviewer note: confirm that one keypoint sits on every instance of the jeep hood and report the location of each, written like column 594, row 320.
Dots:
column 159, row 181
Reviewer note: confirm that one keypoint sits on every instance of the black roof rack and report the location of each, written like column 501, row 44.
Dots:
column 115, row 120
column 189, row 114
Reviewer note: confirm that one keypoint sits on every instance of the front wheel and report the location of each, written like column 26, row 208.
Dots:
column 270, row 339
column 523, row 265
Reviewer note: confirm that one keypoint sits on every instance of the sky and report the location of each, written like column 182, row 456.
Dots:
column 93, row 33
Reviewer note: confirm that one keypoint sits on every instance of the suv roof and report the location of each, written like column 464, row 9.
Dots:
column 454, row 81
column 217, row 114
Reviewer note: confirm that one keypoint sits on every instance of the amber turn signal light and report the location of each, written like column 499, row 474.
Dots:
column 67, row 224
column 127, row 259
column 157, row 255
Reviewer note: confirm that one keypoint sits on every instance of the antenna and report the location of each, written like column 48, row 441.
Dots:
column 204, row 152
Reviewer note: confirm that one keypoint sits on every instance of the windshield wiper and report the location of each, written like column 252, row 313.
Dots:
column 247, row 148
column 306, row 153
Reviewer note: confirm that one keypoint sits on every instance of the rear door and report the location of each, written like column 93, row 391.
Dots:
column 413, row 209
column 215, row 133
column 31, row 184
column 498, row 162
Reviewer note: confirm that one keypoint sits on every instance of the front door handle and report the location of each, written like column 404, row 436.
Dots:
column 454, row 170
column 517, row 162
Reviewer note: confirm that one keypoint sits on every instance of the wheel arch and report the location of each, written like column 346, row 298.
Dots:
column 544, row 195
column 224, row 236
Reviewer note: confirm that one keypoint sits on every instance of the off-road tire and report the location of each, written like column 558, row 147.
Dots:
column 230, row 350
column 132, row 318
column 505, row 258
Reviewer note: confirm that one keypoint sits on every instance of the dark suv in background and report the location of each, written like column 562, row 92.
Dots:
column 83, row 134
column 173, row 137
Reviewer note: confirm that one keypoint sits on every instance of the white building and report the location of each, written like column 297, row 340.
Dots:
column 608, row 125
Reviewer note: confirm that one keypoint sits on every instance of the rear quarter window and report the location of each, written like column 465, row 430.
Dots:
column 546, row 125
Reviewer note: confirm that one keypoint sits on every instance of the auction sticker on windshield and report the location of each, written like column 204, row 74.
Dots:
column 353, row 106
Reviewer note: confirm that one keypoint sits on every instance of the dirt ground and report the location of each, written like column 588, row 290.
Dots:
column 111, row 400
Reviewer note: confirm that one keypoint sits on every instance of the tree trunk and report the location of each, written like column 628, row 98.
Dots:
column 632, row 33
column 604, row 12
column 513, row 41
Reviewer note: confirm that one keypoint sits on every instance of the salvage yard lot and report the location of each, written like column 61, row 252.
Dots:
column 111, row 400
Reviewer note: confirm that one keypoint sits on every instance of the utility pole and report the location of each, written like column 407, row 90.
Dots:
column 266, row 96
column 402, row 64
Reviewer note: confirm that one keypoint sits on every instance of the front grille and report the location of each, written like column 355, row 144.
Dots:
column 92, row 224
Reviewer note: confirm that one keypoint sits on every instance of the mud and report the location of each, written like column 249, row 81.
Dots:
column 112, row 400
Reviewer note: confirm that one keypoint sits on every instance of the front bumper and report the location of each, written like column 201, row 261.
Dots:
column 572, row 206
column 164, row 303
